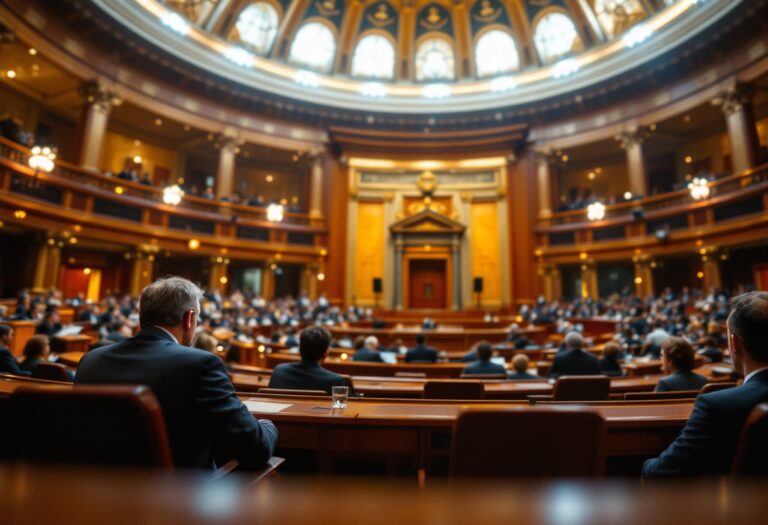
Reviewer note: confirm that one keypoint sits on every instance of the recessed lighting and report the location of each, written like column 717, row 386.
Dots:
column 119, row 190
column 158, row 122
column 193, row 244
column 137, row 159
column 688, row 159
column 32, row 51
column 10, row 73
column 269, row 178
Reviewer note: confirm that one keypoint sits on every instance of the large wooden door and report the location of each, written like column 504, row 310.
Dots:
column 427, row 283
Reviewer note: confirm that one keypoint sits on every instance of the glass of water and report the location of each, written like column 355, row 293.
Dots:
column 339, row 396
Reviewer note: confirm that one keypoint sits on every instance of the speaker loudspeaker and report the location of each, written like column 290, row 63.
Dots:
column 377, row 285
column 477, row 285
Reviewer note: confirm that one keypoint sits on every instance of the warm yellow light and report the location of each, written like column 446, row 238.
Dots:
column 565, row 158
column 2, row 224
column 427, row 248
column 598, row 170
column 321, row 276
column 158, row 122
column 638, row 280
column 223, row 280
column 20, row 214
column 77, row 227
column 137, row 159
column 583, row 256
column 269, row 178
column 703, row 251
column 119, row 190
column 262, row 349
column 591, row 175
column 87, row 271
column 10, row 73
column 344, row 356
column 73, row 240
column 193, row 244
column 323, row 252
column 32, row 51
column 700, row 275
column 273, row 266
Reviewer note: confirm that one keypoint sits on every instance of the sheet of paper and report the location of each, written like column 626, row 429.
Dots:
column 262, row 407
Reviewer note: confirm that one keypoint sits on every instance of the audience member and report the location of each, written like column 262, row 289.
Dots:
column 369, row 351
column 308, row 373
column 36, row 350
column 203, row 416
column 707, row 443
column 8, row 364
column 51, row 324
column 484, row 364
column 710, row 350
column 678, row 360
column 574, row 361
column 421, row 353
column 205, row 342
column 609, row 363
column 520, row 366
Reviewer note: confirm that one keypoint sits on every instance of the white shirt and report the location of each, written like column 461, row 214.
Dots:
column 754, row 373
column 169, row 333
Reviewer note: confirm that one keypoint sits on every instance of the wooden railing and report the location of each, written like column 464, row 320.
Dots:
column 71, row 189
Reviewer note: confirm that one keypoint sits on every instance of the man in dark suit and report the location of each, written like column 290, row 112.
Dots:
column 369, row 352
column 308, row 374
column 421, row 353
column 678, row 360
column 574, row 361
column 707, row 444
column 51, row 323
column 203, row 416
column 8, row 364
column 484, row 365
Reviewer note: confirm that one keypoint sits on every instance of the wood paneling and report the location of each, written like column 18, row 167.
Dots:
column 369, row 252
column 521, row 207
column 485, row 249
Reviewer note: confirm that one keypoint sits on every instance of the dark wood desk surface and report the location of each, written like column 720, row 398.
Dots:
column 34, row 496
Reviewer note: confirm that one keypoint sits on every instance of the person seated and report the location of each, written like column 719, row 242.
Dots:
column 146, row 180
column 517, row 338
column 654, row 340
column 574, row 361
column 118, row 331
column 90, row 314
column 428, row 324
column 369, row 351
column 51, row 323
column 710, row 350
column 520, row 366
column 8, row 364
column 609, row 364
column 290, row 340
column 678, row 360
column 206, row 342
column 484, row 365
column 707, row 444
column 308, row 373
column 23, row 308
column 203, row 416
column 421, row 353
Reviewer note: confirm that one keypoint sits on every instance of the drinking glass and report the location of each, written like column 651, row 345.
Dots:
column 339, row 396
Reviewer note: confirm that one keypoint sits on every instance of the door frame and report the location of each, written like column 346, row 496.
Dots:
column 434, row 253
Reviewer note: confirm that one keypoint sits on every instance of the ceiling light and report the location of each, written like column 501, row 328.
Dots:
column 20, row 214
column 321, row 276
column 275, row 213
column 137, row 159
column 193, row 244
column 119, row 190
column 270, row 178
column 42, row 159
column 306, row 78
column 87, row 271
column 436, row 91
column 10, row 73
column 564, row 68
column 373, row 90
column 32, row 51
column 172, row 195
column 596, row 211
column 628, row 195
column 699, row 188
column 175, row 22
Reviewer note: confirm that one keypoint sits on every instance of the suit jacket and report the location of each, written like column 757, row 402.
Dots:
column 203, row 416
column 366, row 354
column 610, row 367
column 48, row 329
column 421, row 353
column 484, row 367
column 707, row 444
column 8, row 364
column 525, row 376
column 575, row 362
column 305, row 375
column 681, row 381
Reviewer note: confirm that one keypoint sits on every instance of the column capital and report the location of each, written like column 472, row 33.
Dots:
column 545, row 154
column 229, row 140
column 96, row 94
column 634, row 136
column 733, row 98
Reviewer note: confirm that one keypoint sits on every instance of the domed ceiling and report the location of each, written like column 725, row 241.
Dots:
column 409, row 55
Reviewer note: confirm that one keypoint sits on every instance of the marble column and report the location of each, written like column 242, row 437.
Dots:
column 643, row 275
column 218, row 278
column 94, row 117
column 456, row 278
column 632, row 141
column 47, row 265
column 229, row 146
column 141, row 272
column 316, row 179
column 268, row 282
column 398, row 300
column 589, row 280
column 736, row 104
column 544, row 173
column 551, row 282
column 710, row 267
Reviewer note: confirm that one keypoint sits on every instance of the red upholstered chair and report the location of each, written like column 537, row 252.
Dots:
column 529, row 442
column 453, row 390
column 714, row 387
column 51, row 372
column 751, row 457
column 582, row 388
column 92, row 425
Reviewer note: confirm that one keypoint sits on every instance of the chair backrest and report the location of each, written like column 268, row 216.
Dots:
column 529, row 442
column 582, row 388
column 92, row 425
column 483, row 376
column 751, row 458
column 51, row 372
column 678, row 394
column 292, row 392
column 714, row 387
column 453, row 390
column 410, row 374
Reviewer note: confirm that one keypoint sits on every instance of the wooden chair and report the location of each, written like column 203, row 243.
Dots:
column 529, row 442
column 483, row 376
column 714, row 387
column 291, row 392
column 52, row 372
column 582, row 388
column 453, row 390
column 643, row 396
column 94, row 425
column 751, row 457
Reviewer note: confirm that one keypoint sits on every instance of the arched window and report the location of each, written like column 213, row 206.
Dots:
column 314, row 46
column 434, row 60
column 374, row 57
column 555, row 36
column 257, row 26
column 616, row 16
column 496, row 53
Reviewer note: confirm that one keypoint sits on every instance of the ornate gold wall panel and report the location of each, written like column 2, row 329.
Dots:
column 369, row 249
column 485, row 249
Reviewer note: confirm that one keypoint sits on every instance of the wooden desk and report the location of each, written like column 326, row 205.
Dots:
column 22, row 331
column 71, row 344
column 98, row 497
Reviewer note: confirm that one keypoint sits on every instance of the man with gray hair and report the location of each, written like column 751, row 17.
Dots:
column 370, row 351
column 574, row 361
column 205, row 420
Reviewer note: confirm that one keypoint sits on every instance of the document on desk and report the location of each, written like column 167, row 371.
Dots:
column 263, row 407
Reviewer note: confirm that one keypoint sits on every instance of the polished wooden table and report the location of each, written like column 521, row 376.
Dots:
column 35, row 496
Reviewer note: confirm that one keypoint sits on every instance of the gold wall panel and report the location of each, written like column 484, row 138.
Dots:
column 485, row 249
column 370, row 249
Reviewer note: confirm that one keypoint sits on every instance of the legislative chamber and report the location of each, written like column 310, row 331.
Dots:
column 356, row 261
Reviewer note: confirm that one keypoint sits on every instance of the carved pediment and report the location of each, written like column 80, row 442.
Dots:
column 427, row 221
